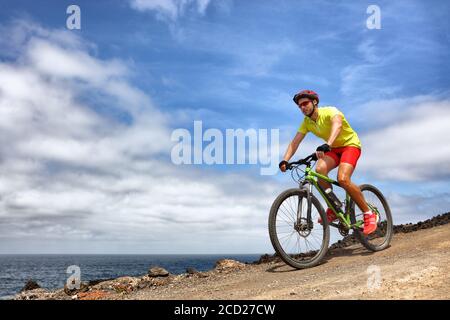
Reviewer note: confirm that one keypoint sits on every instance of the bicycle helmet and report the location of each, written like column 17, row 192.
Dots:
column 306, row 94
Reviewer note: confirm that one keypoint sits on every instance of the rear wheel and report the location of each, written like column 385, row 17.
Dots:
column 381, row 238
column 298, row 243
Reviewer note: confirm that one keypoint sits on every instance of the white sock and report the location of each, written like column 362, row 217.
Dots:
column 368, row 212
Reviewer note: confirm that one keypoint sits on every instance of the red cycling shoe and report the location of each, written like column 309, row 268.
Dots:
column 370, row 223
column 331, row 216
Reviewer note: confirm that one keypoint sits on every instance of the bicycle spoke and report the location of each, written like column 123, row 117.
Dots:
column 294, row 237
column 289, row 223
column 288, row 236
column 307, row 247
column 288, row 215
column 290, row 206
column 298, row 247
column 316, row 239
column 379, row 236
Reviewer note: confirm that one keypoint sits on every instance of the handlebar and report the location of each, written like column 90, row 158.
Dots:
column 312, row 157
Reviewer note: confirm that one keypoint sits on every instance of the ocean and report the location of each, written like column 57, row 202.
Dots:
column 50, row 271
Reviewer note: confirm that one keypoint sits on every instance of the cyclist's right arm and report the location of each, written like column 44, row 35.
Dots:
column 292, row 148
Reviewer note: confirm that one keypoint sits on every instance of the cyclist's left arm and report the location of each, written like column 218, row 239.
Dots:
column 336, row 127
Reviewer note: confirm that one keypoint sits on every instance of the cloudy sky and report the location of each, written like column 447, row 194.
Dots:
column 86, row 116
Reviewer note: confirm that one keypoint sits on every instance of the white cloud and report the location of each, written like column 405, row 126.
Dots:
column 410, row 141
column 53, row 60
column 417, row 207
column 74, row 174
column 170, row 9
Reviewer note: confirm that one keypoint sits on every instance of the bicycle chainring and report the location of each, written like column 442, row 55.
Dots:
column 342, row 229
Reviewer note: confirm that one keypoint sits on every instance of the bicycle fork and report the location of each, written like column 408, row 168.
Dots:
column 307, row 186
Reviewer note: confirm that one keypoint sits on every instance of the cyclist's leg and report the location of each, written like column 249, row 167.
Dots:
column 347, row 166
column 325, row 165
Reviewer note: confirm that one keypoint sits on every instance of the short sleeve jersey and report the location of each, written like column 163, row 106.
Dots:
column 322, row 128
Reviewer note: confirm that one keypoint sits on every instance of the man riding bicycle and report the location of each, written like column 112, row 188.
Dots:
column 342, row 149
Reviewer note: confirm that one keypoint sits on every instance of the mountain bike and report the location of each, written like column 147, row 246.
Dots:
column 295, row 232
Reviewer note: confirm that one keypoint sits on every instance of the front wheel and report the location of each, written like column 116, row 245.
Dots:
column 298, row 242
column 381, row 238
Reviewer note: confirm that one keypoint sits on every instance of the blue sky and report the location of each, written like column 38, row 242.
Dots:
column 88, row 114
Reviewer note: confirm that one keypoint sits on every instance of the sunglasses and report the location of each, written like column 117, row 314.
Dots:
column 304, row 103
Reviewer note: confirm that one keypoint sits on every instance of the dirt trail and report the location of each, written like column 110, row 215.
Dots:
column 416, row 266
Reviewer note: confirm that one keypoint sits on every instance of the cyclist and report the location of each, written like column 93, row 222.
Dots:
column 342, row 149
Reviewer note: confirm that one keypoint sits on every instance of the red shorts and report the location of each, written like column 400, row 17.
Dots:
column 345, row 154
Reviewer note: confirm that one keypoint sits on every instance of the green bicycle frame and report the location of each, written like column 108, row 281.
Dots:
column 312, row 177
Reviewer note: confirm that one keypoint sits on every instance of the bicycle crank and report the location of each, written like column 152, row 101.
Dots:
column 342, row 229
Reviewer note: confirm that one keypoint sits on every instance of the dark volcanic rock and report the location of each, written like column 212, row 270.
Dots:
column 95, row 282
column 30, row 285
column 191, row 271
column 430, row 223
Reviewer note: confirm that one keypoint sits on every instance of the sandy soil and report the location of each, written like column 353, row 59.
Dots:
column 416, row 266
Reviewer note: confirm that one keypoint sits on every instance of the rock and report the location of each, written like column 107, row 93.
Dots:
column 143, row 285
column 203, row 274
column 429, row 223
column 70, row 292
column 191, row 271
column 95, row 282
column 228, row 264
column 149, row 281
column 35, row 294
column 125, row 284
column 158, row 272
column 122, row 288
column 161, row 281
column 30, row 285
column 263, row 259
column 93, row 295
column 119, row 285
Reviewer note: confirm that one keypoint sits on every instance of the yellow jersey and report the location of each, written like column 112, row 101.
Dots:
column 322, row 128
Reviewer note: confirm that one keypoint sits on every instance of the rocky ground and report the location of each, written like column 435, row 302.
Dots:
column 416, row 266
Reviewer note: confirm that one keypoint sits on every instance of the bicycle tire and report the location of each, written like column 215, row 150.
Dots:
column 366, row 241
column 285, row 256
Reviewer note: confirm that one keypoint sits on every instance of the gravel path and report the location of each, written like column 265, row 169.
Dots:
column 416, row 266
